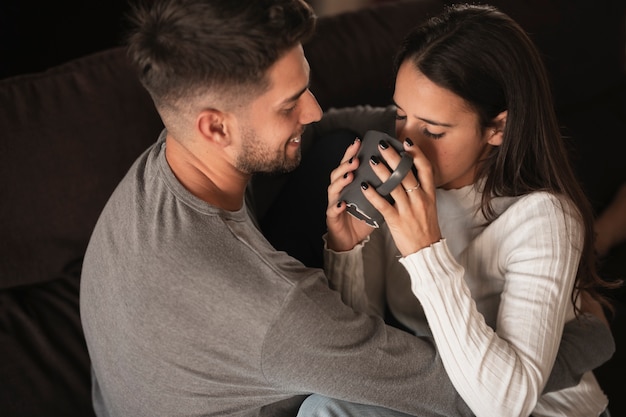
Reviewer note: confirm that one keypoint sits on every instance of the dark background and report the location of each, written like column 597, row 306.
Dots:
column 37, row 34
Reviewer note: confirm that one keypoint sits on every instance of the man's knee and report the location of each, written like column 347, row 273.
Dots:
column 320, row 406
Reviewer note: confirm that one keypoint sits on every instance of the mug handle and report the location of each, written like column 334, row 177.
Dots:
column 396, row 176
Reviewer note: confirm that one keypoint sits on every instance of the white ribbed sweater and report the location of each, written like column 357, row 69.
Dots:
column 514, row 275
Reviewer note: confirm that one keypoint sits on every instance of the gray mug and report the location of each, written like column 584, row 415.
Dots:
column 357, row 204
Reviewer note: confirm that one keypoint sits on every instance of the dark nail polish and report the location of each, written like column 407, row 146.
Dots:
column 350, row 160
column 345, row 175
column 374, row 160
column 365, row 185
column 339, row 203
column 383, row 144
column 408, row 141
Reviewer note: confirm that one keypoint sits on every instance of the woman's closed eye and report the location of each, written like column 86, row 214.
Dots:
column 432, row 135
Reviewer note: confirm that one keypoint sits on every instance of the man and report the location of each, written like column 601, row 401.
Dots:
column 187, row 309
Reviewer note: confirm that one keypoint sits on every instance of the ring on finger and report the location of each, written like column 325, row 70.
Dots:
column 408, row 190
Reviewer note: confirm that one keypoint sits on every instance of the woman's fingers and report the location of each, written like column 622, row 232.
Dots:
column 423, row 167
column 412, row 219
column 388, row 211
column 344, row 231
column 343, row 174
column 347, row 163
column 392, row 158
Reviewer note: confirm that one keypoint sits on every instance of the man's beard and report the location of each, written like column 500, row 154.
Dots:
column 259, row 158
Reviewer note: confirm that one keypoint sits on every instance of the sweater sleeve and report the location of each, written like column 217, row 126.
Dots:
column 344, row 271
column 362, row 274
column 318, row 344
column 534, row 247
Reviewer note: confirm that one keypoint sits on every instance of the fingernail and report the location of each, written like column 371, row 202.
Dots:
column 374, row 160
column 350, row 160
column 357, row 140
column 339, row 204
column 383, row 144
column 365, row 185
column 345, row 175
column 408, row 142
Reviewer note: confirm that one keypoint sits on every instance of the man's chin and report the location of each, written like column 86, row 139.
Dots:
column 293, row 163
column 285, row 167
column 290, row 163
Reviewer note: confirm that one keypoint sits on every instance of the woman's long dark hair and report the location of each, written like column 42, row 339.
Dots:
column 486, row 58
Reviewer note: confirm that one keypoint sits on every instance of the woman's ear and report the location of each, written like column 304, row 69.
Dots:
column 495, row 134
column 213, row 126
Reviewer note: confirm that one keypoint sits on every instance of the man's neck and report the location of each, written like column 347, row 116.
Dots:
column 215, row 181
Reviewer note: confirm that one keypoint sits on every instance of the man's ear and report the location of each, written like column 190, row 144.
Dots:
column 213, row 126
column 495, row 134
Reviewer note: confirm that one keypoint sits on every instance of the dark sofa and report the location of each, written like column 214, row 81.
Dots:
column 71, row 132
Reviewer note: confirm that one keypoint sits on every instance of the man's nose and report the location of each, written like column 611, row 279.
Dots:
column 311, row 112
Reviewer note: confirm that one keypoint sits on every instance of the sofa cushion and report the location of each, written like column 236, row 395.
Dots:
column 43, row 357
column 348, row 66
column 70, row 134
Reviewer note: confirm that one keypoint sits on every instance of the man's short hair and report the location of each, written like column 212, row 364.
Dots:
column 186, row 48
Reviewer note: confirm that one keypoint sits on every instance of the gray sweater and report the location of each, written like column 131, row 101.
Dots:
column 188, row 310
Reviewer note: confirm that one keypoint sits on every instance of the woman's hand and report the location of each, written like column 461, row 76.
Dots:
column 344, row 230
column 412, row 220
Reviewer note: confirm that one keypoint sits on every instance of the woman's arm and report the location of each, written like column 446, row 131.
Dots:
column 534, row 247
column 363, row 274
column 359, row 274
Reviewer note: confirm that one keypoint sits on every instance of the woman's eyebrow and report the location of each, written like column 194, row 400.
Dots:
column 429, row 121
column 433, row 122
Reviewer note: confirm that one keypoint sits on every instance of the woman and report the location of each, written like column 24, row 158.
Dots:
column 487, row 249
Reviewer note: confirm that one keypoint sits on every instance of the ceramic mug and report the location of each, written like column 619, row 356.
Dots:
column 357, row 204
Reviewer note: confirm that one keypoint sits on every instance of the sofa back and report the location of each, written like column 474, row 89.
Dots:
column 70, row 134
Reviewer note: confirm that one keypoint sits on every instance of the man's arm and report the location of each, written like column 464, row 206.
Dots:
column 587, row 343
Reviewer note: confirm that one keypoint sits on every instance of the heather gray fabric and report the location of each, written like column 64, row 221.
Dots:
column 188, row 310
column 319, row 406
